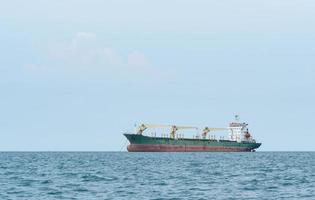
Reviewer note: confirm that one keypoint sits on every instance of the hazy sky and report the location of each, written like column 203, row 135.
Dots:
column 75, row 75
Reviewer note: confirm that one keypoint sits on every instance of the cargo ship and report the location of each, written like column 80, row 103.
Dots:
column 239, row 139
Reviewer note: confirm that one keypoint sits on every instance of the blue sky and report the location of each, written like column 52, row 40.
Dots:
column 75, row 75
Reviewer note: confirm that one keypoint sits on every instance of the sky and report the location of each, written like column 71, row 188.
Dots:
column 75, row 75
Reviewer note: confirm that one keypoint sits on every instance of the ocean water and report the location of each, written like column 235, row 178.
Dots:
column 122, row 175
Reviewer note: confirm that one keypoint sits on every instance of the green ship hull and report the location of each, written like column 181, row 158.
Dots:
column 141, row 143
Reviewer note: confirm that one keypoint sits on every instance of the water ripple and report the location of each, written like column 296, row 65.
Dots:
column 260, row 175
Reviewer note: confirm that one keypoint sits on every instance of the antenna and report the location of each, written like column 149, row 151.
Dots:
column 135, row 127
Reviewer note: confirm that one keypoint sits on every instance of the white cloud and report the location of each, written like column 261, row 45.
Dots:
column 32, row 67
column 113, row 56
column 85, row 35
column 83, row 38
column 84, row 51
column 137, row 59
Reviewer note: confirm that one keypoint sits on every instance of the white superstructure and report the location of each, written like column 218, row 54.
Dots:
column 239, row 131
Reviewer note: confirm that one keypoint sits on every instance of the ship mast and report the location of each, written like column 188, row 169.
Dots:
column 206, row 130
column 173, row 128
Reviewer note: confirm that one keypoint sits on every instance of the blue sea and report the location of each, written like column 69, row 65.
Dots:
column 123, row 175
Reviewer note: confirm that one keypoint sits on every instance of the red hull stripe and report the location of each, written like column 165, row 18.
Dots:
column 182, row 148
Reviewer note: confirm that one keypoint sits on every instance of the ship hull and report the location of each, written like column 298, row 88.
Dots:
column 182, row 148
column 140, row 143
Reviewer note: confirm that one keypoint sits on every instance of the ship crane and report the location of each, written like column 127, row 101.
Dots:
column 143, row 127
column 173, row 128
column 206, row 130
